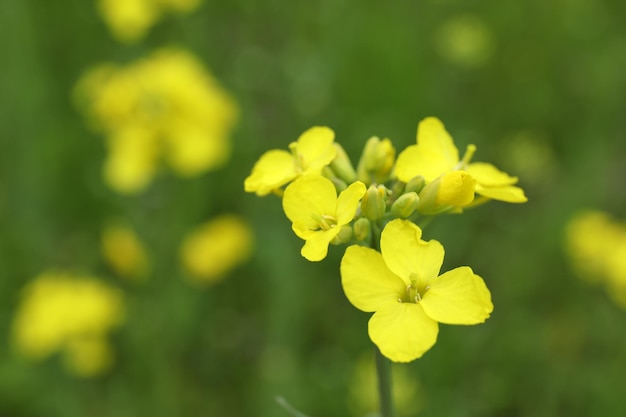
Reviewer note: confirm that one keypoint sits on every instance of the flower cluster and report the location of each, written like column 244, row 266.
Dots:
column 129, row 20
column 164, row 107
column 388, row 269
column 70, row 314
column 596, row 246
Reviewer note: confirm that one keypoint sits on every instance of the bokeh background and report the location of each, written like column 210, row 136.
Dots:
column 538, row 86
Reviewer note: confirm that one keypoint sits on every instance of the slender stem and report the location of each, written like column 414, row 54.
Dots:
column 383, row 368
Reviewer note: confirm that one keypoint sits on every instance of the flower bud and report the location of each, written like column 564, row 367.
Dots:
column 342, row 166
column 374, row 204
column 415, row 184
column 405, row 205
column 362, row 229
column 376, row 161
column 344, row 236
column 452, row 190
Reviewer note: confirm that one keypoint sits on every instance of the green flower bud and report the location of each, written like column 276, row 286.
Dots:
column 415, row 184
column 342, row 166
column 376, row 161
column 344, row 236
column 374, row 204
column 362, row 229
column 405, row 205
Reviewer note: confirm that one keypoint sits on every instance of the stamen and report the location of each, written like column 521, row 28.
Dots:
column 469, row 153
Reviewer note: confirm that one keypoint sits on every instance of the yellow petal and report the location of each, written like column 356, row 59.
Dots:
column 434, row 154
column 456, row 189
column 274, row 169
column 316, row 246
column 307, row 198
column 488, row 175
column 458, row 297
column 348, row 202
column 432, row 135
column 366, row 280
column 406, row 255
column 315, row 147
column 508, row 193
column 402, row 331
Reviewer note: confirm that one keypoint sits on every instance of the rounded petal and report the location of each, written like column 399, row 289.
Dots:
column 488, row 175
column 434, row 154
column 407, row 255
column 316, row 246
column 274, row 169
column 508, row 193
column 348, row 202
column 458, row 297
column 402, row 331
column 307, row 198
column 315, row 147
column 366, row 280
column 432, row 135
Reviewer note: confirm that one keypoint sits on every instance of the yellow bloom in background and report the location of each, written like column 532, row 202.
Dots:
column 317, row 214
column 465, row 40
column 596, row 246
column 129, row 20
column 211, row 251
column 403, row 288
column 124, row 252
column 435, row 155
column 309, row 155
column 61, row 312
column 166, row 107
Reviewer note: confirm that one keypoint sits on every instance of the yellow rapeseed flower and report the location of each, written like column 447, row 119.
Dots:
column 124, row 252
column 435, row 155
column 215, row 248
column 309, row 155
column 402, row 287
column 317, row 214
column 129, row 20
column 70, row 314
column 164, row 107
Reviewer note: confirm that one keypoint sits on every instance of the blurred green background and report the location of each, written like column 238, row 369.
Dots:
column 538, row 86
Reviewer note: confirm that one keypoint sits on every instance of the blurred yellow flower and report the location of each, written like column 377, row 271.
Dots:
column 435, row 154
column 215, row 248
column 124, row 252
column 465, row 40
column 403, row 288
column 309, row 155
column 129, row 20
column 596, row 246
column 61, row 312
column 317, row 214
column 166, row 106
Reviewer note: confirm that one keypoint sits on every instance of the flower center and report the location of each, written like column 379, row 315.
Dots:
column 325, row 221
column 415, row 291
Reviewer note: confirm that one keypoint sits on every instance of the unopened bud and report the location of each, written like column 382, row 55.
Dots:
column 415, row 184
column 373, row 205
column 452, row 190
column 405, row 205
column 362, row 229
column 344, row 235
column 342, row 166
column 376, row 161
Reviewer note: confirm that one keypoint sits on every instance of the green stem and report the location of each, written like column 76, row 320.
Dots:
column 383, row 369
